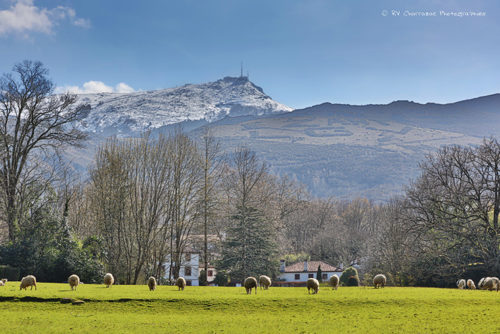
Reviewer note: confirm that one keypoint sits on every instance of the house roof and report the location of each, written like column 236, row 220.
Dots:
column 312, row 266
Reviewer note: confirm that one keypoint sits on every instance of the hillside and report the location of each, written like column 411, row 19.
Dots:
column 367, row 151
column 336, row 150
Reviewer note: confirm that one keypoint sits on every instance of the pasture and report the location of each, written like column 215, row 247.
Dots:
column 122, row 309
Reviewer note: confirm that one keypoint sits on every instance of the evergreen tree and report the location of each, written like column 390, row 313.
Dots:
column 249, row 248
column 203, row 278
column 319, row 274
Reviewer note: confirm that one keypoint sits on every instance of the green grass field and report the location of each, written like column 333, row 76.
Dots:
column 122, row 309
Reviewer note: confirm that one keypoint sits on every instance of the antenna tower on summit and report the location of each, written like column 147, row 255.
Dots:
column 241, row 70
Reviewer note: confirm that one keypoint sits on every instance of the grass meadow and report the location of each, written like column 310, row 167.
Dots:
column 124, row 309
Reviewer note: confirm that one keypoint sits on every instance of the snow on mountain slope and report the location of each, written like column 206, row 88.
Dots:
column 123, row 114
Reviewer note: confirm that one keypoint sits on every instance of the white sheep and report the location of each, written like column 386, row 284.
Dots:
column 313, row 284
column 490, row 283
column 109, row 280
column 181, row 283
column 496, row 281
column 379, row 281
column 27, row 281
column 2, row 283
column 152, row 283
column 249, row 284
column 480, row 283
column 264, row 281
column 470, row 284
column 73, row 281
column 334, row 282
column 461, row 283
column 4, row 280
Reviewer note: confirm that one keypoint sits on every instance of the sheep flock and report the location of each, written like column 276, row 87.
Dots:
column 312, row 284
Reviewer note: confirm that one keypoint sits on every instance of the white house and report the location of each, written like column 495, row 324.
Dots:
column 191, row 265
column 299, row 273
column 189, row 268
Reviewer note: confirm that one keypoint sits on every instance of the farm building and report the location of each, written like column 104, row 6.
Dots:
column 300, row 272
column 189, row 268
column 192, row 260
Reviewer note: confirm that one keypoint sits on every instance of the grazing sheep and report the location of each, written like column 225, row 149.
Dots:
column 497, row 281
column 181, row 283
column 249, row 284
column 379, row 281
column 470, row 284
column 461, row 283
column 4, row 280
column 334, row 282
column 109, row 280
column 313, row 284
column 265, row 282
column 152, row 283
column 73, row 281
column 490, row 283
column 480, row 283
column 27, row 281
column 2, row 283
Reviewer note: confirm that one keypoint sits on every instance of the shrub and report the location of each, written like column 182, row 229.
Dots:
column 203, row 278
column 353, row 281
column 350, row 277
column 221, row 279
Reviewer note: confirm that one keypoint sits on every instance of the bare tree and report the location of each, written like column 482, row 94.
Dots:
column 108, row 192
column 287, row 199
column 80, row 218
column 148, row 174
column 186, row 182
column 212, row 171
column 454, row 206
column 392, row 245
column 32, row 121
column 245, row 177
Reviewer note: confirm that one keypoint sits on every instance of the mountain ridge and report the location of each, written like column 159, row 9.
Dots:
column 370, row 151
column 338, row 150
column 146, row 110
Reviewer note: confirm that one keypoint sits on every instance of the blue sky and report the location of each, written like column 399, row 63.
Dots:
column 301, row 52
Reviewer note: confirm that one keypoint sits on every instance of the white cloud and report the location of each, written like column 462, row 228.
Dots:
column 124, row 88
column 94, row 87
column 24, row 17
column 83, row 23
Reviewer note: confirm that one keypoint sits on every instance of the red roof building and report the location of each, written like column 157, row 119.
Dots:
column 298, row 273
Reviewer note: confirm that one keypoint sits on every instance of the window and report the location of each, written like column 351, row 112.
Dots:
column 297, row 276
column 324, row 276
column 187, row 271
column 210, row 273
column 311, row 275
column 188, row 257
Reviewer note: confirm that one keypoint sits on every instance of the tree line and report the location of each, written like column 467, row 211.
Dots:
column 146, row 200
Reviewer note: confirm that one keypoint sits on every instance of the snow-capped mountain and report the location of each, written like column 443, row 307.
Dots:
column 123, row 114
